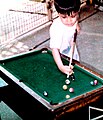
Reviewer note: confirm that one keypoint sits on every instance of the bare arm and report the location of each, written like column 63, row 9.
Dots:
column 63, row 68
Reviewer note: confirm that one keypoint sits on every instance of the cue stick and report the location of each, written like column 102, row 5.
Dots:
column 27, row 12
column 39, row 44
column 72, row 49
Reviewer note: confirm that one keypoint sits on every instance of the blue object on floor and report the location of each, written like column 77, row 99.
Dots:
column 6, row 113
column 2, row 83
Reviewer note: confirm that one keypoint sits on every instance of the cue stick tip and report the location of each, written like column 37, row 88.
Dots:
column 67, row 75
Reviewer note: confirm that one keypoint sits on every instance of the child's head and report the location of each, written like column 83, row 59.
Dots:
column 67, row 9
column 67, row 6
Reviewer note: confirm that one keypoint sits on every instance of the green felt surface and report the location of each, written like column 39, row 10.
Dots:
column 39, row 71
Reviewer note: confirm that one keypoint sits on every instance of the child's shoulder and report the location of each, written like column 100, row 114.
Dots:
column 57, row 21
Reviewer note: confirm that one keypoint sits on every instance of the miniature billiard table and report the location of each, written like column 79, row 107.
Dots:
column 36, row 73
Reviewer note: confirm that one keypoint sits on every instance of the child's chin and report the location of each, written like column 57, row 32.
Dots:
column 69, row 25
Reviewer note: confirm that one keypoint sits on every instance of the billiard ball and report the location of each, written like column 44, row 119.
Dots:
column 71, row 90
column 67, row 96
column 67, row 81
column 44, row 51
column 92, row 83
column 72, row 77
column 95, row 82
column 45, row 93
column 65, row 87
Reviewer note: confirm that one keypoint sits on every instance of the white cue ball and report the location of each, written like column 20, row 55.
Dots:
column 65, row 87
column 67, row 81
column 45, row 93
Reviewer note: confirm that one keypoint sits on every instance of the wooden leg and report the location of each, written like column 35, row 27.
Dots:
column 91, row 1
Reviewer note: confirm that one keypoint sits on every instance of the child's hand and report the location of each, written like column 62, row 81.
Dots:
column 66, row 69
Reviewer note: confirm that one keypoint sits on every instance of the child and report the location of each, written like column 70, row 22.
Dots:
column 62, row 32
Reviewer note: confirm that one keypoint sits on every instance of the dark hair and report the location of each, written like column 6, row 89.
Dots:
column 67, row 6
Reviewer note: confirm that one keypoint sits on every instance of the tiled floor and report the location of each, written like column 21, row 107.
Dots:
column 90, row 42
